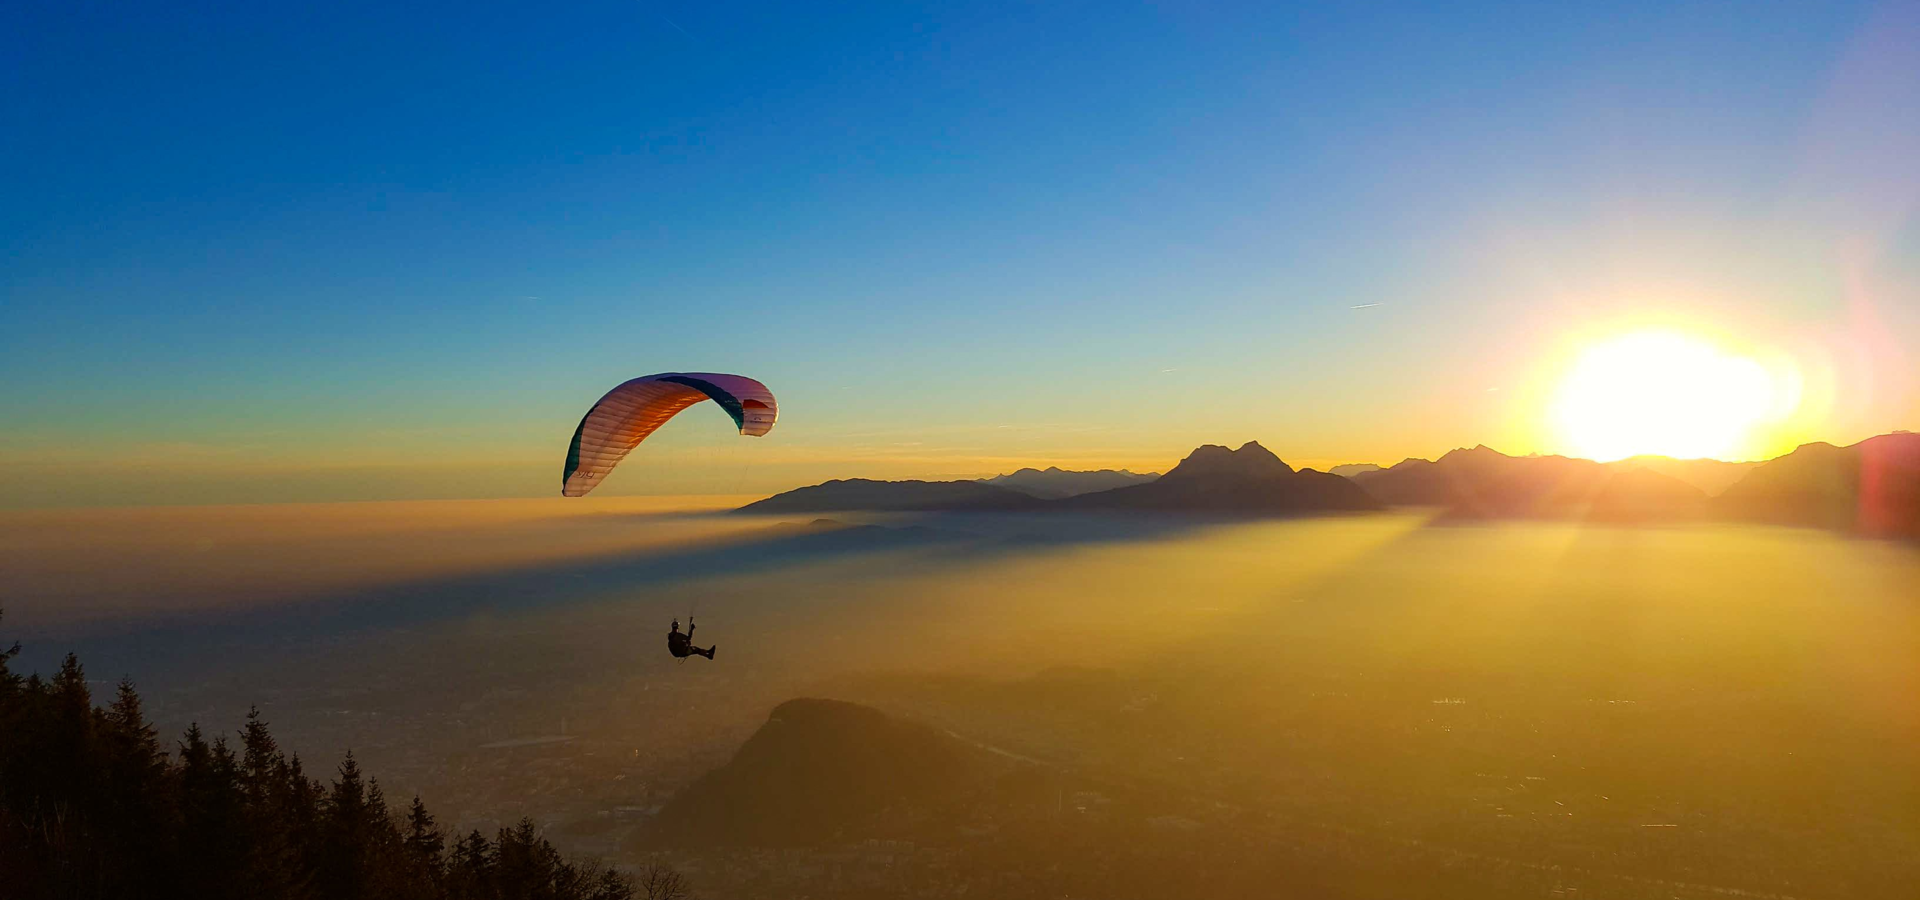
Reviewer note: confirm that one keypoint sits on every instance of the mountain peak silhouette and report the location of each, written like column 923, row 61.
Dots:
column 1250, row 480
column 1215, row 461
column 1478, row 452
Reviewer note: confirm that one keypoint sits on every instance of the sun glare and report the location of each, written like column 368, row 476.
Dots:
column 1666, row 393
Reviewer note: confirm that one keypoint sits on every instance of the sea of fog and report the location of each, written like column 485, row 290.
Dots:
column 1727, row 707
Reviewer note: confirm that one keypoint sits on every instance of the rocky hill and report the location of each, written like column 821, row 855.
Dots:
column 814, row 772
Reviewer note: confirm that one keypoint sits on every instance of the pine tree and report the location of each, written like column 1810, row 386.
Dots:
column 9, row 682
column 213, row 827
column 614, row 886
column 470, row 869
column 64, row 800
column 259, row 756
column 70, row 755
column 522, row 871
column 300, row 801
column 426, row 846
column 15, row 698
column 138, row 786
column 343, row 864
column 14, row 840
column 273, row 868
column 389, row 872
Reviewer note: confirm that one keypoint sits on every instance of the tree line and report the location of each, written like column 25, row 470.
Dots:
column 92, row 806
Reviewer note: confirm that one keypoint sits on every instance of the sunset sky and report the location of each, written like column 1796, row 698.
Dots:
column 263, row 253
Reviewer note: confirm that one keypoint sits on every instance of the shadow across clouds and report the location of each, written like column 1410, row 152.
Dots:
column 923, row 542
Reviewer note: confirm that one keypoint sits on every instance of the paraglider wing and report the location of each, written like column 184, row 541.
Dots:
column 628, row 413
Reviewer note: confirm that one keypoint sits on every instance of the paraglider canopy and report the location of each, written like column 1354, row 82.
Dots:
column 628, row 413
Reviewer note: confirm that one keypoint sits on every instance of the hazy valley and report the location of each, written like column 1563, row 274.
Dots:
column 1296, row 707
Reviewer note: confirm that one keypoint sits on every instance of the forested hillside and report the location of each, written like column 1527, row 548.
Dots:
column 93, row 806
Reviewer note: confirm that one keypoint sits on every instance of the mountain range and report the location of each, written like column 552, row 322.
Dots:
column 1212, row 479
column 1053, row 482
column 896, row 496
column 1485, row 483
column 1870, row 488
column 1712, row 476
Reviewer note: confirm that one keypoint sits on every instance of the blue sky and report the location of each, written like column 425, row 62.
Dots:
column 283, row 239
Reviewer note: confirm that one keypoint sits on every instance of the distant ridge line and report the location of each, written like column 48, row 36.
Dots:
column 1871, row 488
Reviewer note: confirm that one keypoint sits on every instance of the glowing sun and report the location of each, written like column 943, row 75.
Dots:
column 1662, row 392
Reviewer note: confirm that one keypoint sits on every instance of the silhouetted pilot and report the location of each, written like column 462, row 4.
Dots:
column 681, row 645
